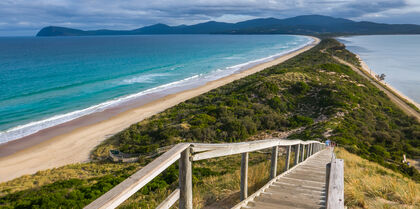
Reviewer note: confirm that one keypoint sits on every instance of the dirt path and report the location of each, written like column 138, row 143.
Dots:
column 392, row 95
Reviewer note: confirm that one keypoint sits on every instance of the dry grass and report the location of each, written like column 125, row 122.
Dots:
column 369, row 185
column 74, row 171
column 217, row 191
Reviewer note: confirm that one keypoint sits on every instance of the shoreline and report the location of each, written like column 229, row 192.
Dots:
column 394, row 96
column 122, row 103
column 373, row 74
column 27, row 156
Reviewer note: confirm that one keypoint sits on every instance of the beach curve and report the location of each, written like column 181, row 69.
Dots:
column 76, row 145
column 395, row 96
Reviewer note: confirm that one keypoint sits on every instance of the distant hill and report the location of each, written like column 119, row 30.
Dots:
column 305, row 25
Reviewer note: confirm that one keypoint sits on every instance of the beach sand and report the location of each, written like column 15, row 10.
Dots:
column 366, row 68
column 398, row 98
column 74, row 146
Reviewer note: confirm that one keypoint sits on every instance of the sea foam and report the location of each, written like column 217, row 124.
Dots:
column 195, row 80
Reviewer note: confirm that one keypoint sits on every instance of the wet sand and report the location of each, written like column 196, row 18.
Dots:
column 72, row 142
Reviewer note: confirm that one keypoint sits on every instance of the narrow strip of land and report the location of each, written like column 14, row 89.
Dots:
column 391, row 94
column 75, row 146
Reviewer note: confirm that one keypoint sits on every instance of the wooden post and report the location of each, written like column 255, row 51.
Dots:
column 307, row 151
column 302, row 157
column 327, row 178
column 185, row 180
column 289, row 150
column 297, row 149
column 335, row 197
column 312, row 149
column 274, row 157
column 244, row 176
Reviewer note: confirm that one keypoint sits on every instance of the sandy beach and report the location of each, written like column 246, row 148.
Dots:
column 367, row 70
column 398, row 98
column 74, row 146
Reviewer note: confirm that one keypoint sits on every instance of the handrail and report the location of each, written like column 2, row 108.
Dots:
column 335, row 183
column 186, row 153
column 267, row 185
column 241, row 147
column 135, row 182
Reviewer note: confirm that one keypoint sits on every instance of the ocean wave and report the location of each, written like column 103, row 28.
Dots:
column 232, row 58
column 36, row 126
column 149, row 78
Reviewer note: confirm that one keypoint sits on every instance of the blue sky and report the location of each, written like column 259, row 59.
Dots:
column 26, row 17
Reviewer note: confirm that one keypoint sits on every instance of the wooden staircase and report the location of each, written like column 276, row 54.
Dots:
column 303, row 186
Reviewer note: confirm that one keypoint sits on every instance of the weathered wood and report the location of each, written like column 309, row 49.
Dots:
column 312, row 148
column 125, row 189
column 335, row 198
column 288, row 151
column 307, row 151
column 297, row 149
column 302, row 156
column 274, row 158
column 185, row 180
column 244, row 176
column 282, row 180
column 128, row 187
column 237, row 148
column 327, row 177
column 170, row 200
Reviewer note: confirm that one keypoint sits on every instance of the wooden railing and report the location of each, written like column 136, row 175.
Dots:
column 186, row 153
column 335, row 183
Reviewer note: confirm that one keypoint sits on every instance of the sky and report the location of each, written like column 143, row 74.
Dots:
column 26, row 17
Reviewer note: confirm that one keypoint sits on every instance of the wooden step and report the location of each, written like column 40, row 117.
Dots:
column 306, row 190
column 303, row 187
column 315, row 188
column 303, row 176
column 300, row 182
column 289, row 201
column 296, row 194
column 264, row 205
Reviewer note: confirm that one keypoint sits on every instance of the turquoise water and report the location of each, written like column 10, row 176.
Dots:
column 397, row 56
column 49, row 81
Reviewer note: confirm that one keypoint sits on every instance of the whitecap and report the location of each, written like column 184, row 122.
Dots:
column 149, row 78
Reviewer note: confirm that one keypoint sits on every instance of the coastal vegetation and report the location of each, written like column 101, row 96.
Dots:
column 311, row 93
column 369, row 185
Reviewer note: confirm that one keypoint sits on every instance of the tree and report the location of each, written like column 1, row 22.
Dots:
column 381, row 77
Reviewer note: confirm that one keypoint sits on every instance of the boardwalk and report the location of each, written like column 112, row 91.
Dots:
column 302, row 187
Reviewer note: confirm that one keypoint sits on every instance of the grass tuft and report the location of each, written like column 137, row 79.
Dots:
column 369, row 185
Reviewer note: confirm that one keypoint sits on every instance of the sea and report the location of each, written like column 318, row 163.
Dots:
column 397, row 56
column 47, row 81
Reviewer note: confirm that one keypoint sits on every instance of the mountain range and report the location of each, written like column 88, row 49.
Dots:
column 304, row 25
